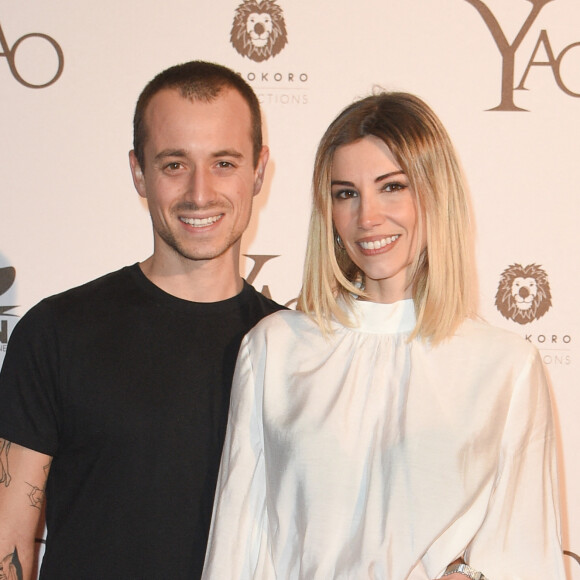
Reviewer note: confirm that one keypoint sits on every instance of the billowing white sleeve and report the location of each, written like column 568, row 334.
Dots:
column 520, row 537
column 237, row 540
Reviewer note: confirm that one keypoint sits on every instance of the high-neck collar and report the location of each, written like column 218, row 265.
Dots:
column 377, row 318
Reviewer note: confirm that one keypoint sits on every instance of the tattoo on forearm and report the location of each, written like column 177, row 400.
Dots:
column 4, row 469
column 10, row 567
column 36, row 497
column 36, row 494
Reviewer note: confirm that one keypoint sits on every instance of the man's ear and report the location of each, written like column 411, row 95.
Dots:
column 261, row 169
column 137, row 173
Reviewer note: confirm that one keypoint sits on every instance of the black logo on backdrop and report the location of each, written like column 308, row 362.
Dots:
column 10, row 55
column 259, row 30
column 523, row 294
column 7, row 277
column 508, row 54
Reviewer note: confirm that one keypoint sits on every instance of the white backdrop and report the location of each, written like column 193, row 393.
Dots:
column 68, row 211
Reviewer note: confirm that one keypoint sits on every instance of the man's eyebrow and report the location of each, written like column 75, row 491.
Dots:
column 228, row 153
column 170, row 153
column 182, row 153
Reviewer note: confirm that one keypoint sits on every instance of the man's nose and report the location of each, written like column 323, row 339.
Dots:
column 200, row 187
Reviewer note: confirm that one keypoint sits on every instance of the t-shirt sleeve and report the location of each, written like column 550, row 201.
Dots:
column 28, row 383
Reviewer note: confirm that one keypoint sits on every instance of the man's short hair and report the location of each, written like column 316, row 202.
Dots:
column 201, row 81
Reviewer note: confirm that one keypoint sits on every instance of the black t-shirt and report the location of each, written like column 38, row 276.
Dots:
column 127, row 387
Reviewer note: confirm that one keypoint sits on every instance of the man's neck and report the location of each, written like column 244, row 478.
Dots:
column 210, row 281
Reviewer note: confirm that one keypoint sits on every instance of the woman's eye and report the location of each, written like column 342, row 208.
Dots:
column 394, row 186
column 345, row 194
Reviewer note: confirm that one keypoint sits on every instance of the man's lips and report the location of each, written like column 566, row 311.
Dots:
column 202, row 222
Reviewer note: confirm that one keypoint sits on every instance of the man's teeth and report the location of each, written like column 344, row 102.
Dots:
column 201, row 222
column 378, row 243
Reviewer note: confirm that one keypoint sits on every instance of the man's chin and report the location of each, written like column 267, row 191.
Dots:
column 204, row 253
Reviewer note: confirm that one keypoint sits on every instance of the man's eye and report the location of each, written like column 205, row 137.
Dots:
column 224, row 164
column 173, row 166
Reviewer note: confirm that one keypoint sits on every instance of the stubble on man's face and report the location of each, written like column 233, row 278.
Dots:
column 199, row 177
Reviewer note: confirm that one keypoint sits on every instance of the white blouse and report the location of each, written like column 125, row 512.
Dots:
column 361, row 455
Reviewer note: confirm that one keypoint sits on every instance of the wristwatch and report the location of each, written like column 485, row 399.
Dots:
column 465, row 570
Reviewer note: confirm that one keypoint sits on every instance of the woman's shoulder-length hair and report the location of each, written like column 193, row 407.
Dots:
column 441, row 275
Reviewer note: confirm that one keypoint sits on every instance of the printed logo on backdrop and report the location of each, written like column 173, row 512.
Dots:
column 553, row 59
column 572, row 555
column 259, row 261
column 524, row 296
column 259, row 32
column 7, row 319
column 29, row 53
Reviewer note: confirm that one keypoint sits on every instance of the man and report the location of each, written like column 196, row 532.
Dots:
column 114, row 395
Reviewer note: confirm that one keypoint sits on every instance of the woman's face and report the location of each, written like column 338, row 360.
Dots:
column 375, row 213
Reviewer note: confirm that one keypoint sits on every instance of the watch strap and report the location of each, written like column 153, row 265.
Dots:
column 465, row 570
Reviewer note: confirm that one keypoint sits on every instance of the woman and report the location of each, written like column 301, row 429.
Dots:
column 383, row 432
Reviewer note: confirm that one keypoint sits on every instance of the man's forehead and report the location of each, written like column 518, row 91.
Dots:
column 228, row 111
column 227, row 97
column 169, row 125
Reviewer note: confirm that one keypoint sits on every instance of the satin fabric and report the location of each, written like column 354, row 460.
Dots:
column 362, row 455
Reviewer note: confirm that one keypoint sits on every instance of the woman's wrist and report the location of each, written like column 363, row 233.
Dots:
column 462, row 568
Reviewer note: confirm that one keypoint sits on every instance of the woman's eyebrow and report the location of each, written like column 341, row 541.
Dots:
column 390, row 174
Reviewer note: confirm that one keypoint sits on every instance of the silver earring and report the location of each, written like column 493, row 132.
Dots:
column 339, row 242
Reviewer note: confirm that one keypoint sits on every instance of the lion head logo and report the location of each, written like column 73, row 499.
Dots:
column 259, row 30
column 523, row 294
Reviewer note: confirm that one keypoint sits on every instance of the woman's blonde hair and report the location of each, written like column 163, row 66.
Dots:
column 441, row 276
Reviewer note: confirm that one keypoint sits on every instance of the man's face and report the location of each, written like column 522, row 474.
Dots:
column 199, row 178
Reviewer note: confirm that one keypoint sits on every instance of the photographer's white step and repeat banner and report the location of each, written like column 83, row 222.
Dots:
column 503, row 75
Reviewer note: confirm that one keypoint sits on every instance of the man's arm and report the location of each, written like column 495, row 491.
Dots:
column 23, row 474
